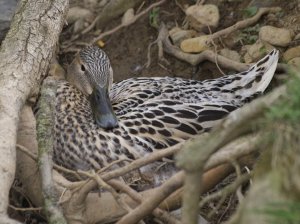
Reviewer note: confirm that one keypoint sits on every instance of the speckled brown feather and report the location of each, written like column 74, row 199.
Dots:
column 153, row 114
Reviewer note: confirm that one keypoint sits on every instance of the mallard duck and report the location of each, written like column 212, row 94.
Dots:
column 98, row 121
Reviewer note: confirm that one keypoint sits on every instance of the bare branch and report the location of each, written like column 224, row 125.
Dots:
column 245, row 23
column 192, row 159
column 45, row 127
column 166, row 189
column 157, row 212
column 135, row 18
column 24, row 57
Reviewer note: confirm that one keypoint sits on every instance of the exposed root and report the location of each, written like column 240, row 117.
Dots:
column 134, row 19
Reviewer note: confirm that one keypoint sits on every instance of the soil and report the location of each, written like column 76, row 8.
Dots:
column 128, row 48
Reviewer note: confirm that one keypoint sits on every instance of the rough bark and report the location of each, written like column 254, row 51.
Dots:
column 24, row 57
column 45, row 127
column 27, row 168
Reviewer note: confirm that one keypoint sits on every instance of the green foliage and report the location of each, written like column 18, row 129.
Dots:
column 263, row 50
column 154, row 17
column 249, row 35
column 282, row 213
column 250, row 11
column 289, row 109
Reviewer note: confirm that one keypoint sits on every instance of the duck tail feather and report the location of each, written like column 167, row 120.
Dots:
column 256, row 79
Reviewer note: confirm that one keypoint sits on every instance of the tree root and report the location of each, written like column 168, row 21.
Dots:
column 193, row 160
column 195, row 59
column 45, row 127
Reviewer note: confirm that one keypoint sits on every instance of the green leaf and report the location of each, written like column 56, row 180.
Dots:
column 250, row 11
column 154, row 17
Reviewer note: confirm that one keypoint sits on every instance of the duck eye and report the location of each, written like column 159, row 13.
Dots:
column 82, row 68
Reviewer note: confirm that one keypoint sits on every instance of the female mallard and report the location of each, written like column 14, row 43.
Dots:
column 98, row 122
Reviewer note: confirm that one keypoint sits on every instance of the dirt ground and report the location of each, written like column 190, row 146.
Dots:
column 128, row 48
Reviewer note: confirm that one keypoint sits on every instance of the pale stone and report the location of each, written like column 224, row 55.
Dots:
column 78, row 13
column 257, row 51
column 128, row 17
column 79, row 25
column 275, row 36
column 196, row 45
column 295, row 62
column 297, row 37
column 291, row 53
column 233, row 55
column 178, row 35
column 202, row 16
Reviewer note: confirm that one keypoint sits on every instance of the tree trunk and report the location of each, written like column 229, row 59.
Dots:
column 24, row 58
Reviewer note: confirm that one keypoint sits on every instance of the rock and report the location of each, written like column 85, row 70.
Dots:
column 196, row 44
column 128, row 16
column 256, row 51
column 78, row 13
column 297, row 37
column 295, row 62
column 79, row 25
column 291, row 53
column 275, row 36
column 178, row 35
column 233, row 55
column 202, row 16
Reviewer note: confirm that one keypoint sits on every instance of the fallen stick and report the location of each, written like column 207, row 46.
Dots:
column 134, row 19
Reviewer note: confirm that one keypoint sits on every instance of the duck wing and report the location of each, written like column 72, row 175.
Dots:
column 236, row 89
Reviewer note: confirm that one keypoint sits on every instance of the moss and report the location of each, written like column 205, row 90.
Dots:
column 288, row 110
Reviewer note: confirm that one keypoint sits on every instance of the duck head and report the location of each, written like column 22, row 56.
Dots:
column 92, row 74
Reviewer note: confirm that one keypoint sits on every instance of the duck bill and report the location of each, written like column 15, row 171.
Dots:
column 102, row 108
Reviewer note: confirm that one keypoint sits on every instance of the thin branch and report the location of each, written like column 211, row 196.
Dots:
column 162, row 215
column 209, row 55
column 45, row 143
column 147, row 206
column 25, row 209
column 105, row 186
column 195, row 59
column 27, row 152
column 225, row 191
column 162, row 192
column 192, row 159
column 130, row 167
column 246, row 22
column 134, row 19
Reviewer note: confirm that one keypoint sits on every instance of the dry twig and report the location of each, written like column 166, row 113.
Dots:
column 246, row 22
column 162, row 192
column 157, row 212
column 195, row 59
column 134, row 19
column 193, row 160
column 132, row 166
column 25, row 209
column 209, row 55
column 223, row 193
column 45, row 145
